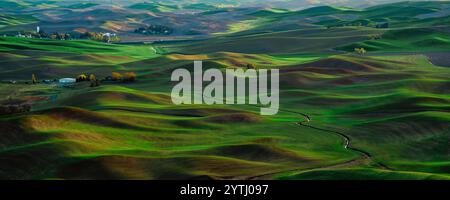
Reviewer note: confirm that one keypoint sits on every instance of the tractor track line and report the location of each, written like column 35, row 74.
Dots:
column 347, row 145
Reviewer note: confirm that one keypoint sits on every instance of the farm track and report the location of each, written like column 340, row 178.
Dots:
column 438, row 58
column 346, row 144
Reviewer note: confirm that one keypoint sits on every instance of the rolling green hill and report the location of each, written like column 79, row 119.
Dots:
column 383, row 115
column 362, row 174
column 82, row 5
column 323, row 10
column 199, row 6
column 398, row 15
column 13, row 5
column 372, row 100
column 11, row 20
column 153, row 7
column 79, row 46
column 405, row 40
column 317, row 40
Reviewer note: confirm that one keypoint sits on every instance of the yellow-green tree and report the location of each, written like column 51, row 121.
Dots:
column 93, row 80
column 114, row 39
column 129, row 77
column 116, row 76
column 92, row 77
column 34, row 79
column 81, row 77
column 360, row 51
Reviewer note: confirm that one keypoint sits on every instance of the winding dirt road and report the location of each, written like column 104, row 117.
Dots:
column 346, row 144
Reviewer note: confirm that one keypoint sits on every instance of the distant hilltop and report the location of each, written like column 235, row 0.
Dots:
column 285, row 4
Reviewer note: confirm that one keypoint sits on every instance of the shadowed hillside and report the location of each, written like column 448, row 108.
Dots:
column 364, row 92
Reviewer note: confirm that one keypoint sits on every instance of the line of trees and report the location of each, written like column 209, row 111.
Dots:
column 115, row 76
column 365, row 23
column 101, row 37
column 94, row 81
column 154, row 30
column 126, row 77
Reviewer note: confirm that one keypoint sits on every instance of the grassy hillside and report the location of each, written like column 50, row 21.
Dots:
column 373, row 100
column 398, row 15
column 153, row 7
column 391, row 111
column 199, row 6
column 323, row 10
column 11, row 20
column 82, row 5
column 76, row 46
column 13, row 5
column 362, row 174
column 405, row 40
column 164, row 142
column 318, row 40
column 322, row 29
column 383, row 115
column 52, row 59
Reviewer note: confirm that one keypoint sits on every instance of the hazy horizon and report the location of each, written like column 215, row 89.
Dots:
column 284, row 4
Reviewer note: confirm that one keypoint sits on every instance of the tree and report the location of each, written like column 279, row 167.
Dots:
column 375, row 37
column 114, row 39
column 93, row 80
column 81, row 78
column 360, row 51
column 34, row 79
column 363, row 51
column 92, row 77
column 154, row 30
column 61, row 36
column 129, row 77
column 116, row 76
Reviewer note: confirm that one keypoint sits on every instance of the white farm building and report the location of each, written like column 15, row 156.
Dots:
column 67, row 81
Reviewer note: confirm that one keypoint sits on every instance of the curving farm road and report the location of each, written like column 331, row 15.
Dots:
column 346, row 144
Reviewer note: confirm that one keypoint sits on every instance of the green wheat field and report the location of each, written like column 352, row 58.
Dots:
column 379, row 114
